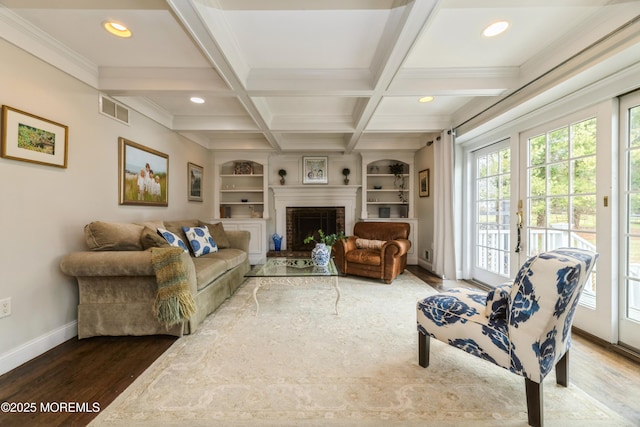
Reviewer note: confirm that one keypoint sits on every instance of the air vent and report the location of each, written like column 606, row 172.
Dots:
column 114, row 110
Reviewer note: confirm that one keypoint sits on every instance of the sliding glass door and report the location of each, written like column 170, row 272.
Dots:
column 629, row 316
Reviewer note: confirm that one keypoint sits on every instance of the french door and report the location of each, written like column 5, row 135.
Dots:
column 492, row 247
column 629, row 292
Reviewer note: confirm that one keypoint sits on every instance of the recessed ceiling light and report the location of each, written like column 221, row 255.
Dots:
column 197, row 100
column 495, row 29
column 117, row 29
column 425, row 99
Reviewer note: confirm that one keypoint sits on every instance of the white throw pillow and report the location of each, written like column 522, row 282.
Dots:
column 200, row 240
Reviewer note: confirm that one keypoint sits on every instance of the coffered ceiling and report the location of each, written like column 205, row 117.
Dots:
column 315, row 75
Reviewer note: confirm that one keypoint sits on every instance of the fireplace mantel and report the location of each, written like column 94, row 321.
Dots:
column 314, row 195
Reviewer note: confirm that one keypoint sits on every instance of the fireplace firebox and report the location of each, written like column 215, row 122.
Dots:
column 305, row 221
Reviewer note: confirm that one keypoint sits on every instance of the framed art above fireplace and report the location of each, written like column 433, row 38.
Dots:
column 315, row 170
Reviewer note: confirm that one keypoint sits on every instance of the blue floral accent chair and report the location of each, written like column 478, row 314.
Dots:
column 523, row 326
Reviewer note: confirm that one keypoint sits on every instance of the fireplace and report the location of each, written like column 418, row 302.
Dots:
column 340, row 197
column 305, row 221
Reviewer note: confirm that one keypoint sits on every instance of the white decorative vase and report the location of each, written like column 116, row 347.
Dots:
column 321, row 254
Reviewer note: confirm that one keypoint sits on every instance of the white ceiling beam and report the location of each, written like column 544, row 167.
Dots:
column 405, row 24
column 191, row 17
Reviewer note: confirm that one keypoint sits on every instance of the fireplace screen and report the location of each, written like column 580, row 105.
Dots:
column 303, row 222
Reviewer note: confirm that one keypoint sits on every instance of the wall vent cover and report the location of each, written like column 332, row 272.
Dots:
column 114, row 110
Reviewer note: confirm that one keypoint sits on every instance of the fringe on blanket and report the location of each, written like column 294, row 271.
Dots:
column 174, row 302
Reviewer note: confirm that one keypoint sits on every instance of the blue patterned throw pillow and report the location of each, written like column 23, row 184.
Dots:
column 498, row 301
column 173, row 239
column 200, row 240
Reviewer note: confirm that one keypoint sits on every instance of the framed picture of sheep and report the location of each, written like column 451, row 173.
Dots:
column 143, row 175
column 30, row 138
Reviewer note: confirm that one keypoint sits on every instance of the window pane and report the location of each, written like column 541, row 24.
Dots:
column 634, row 170
column 584, row 172
column 559, row 212
column 584, row 213
column 559, row 144
column 538, row 213
column 537, row 150
column 559, row 179
column 583, row 138
column 634, row 127
column 538, row 181
column 482, row 166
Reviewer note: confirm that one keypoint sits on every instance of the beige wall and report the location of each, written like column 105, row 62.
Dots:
column 43, row 209
column 424, row 207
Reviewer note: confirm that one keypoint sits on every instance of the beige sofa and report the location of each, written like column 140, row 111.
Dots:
column 117, row 283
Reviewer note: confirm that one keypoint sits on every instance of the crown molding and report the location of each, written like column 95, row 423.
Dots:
column 29, row 38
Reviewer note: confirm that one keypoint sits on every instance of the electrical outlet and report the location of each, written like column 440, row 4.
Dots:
column 427, row 255
column 5, row 307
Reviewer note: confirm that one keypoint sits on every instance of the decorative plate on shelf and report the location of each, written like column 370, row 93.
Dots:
column 243, row 168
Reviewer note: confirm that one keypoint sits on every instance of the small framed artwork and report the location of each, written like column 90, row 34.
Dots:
column 194, row 173
column 243, row 168
column 315, row 170
column 143, row 175
column 423, row 178
column 33, row 139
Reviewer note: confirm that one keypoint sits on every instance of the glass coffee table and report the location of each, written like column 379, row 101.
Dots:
column 294, row 272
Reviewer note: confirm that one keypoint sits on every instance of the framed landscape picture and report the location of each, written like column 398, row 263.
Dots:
column 33, row 139
column 315, row 170
column 423, row 180
column 194, row 179
column 143, row 175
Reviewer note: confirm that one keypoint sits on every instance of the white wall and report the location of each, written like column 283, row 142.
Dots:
column 43, row 209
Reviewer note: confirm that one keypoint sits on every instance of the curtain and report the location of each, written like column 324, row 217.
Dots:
column 444, row 256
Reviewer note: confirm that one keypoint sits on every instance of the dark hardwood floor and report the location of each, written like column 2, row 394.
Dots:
column 95, row 371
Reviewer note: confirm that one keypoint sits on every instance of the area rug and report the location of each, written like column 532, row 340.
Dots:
column 298, row 364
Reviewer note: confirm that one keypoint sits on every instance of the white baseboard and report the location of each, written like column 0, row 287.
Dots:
column 427, row 265
column 37, row 346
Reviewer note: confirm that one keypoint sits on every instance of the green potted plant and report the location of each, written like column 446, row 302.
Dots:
column 321, row 254
column 346, row 173
column 282, row 174
column 397, row 170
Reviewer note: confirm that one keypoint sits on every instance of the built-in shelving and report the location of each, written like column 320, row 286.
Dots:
column 386, row 188
column 241, row 189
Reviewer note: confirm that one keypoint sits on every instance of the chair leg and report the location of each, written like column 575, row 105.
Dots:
column 424, row 342
column 534, row 402
column 562, row 370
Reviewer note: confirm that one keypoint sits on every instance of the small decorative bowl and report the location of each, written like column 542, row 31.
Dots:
column 244, row 200
column 377, row 187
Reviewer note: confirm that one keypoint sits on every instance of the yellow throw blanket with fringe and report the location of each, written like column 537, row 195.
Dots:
column 174, row 302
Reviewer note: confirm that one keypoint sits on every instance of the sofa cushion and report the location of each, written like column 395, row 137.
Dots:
column 151, row 239
column 232, row 257
column 218, row 234
column 200, row 240
column 208, row 269
column 109, row 236
column 173, row 239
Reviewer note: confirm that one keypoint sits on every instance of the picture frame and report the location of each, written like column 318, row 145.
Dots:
column 315, row 170
column 143, row 175
column 423, row 183
column 194, row 180
column 29, row 138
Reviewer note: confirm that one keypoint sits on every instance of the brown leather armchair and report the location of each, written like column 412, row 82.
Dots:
column 376, row 249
